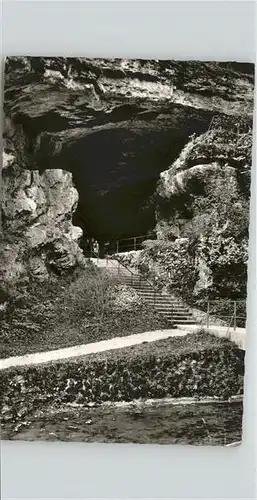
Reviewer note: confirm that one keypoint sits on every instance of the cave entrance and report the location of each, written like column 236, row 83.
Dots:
column 116, row 168
column 115, row 165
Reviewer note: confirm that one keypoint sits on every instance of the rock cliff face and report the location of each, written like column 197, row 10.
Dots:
column 204, row 197
column 115, row 124
column 38, row 237
column 101, row 130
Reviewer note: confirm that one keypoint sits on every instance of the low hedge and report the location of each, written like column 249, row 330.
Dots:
column 194, row 365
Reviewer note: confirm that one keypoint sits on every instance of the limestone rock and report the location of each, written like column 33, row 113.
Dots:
column 38, row 234
column 204, row 196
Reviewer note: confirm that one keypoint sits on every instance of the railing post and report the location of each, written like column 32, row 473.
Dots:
column 117, row 246
column 235, row 315
column 208, row 314
column 135, row 243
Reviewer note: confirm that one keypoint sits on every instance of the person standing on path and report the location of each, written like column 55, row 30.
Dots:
column 96, row 248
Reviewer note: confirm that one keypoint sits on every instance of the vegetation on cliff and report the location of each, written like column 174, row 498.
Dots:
column 201, row 251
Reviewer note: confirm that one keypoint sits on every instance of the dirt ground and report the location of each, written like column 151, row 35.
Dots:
column 195, row 424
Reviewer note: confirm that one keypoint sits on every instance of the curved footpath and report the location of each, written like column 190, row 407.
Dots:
column 238, row 337
column 81, row 350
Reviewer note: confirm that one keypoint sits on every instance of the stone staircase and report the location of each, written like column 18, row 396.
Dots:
column 165, row 304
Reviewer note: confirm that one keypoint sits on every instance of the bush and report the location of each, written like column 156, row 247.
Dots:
column 128, row 259
column 195, row 365
column 169, row 265
column 34, row 307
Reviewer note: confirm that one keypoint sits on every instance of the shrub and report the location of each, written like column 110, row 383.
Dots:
column 38, row 306
column 128, row 259
column 169, row 265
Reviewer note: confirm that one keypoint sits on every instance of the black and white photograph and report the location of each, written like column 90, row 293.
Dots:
column 125, row 195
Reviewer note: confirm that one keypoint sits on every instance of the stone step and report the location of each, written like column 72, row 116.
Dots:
column 169, row 309
column 165, row 305
column 179, row 322
column 130, row 282
column 168, row 312
column 175, row 323
column 136, row 283
column 121, row 272
column 126, row 273
column 150, row 293
column 168, row 303
column 136, row 286
column 136, row 278
column 175, row 315
column 142, row 286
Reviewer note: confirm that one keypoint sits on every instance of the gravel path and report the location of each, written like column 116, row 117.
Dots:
column 81, row 350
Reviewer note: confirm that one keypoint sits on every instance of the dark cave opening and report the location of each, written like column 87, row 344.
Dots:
column 119, row 217
column 115, row 171
column 115, row 165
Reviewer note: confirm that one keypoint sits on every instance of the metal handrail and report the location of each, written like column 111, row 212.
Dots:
column 232, row 316
column 114, row 246
column 119, row 264
column 132, row 274
column 135, row 237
